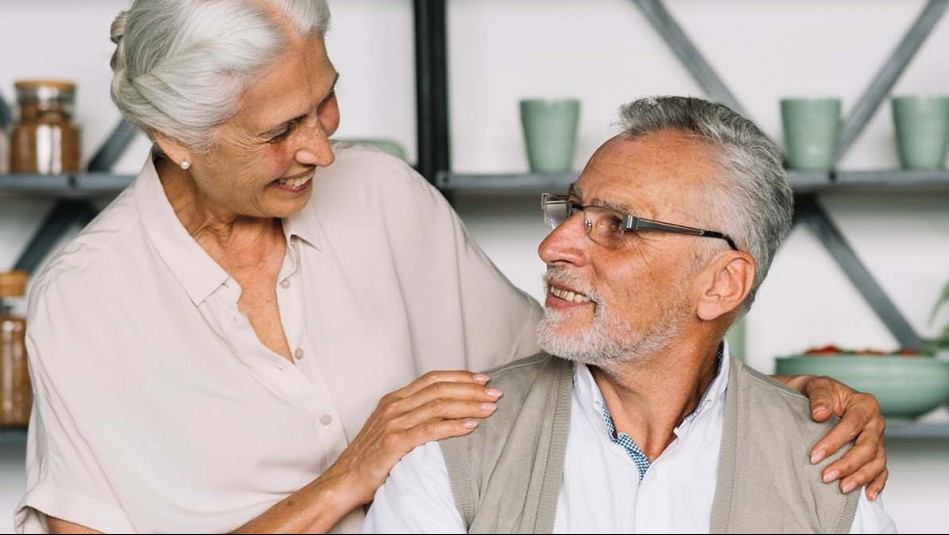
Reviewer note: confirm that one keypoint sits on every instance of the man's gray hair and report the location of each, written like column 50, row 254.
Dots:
column 751, row 199
column 181, row 66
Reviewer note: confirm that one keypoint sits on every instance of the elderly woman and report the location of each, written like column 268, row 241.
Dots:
column 209, row 354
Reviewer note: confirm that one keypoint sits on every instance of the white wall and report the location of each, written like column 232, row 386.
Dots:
column 604, row 52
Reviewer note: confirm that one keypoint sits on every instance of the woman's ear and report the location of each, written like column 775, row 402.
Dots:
column 731, row 276
column 173, row 149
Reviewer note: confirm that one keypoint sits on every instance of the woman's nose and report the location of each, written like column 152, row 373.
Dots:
column 315, row 148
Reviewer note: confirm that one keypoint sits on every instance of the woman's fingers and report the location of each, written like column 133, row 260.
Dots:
column 435, row 377
column 445, row 400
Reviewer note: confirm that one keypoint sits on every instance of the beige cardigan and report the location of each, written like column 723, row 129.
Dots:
column 506, row 477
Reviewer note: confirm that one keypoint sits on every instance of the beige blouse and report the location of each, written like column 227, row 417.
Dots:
column 157, row 409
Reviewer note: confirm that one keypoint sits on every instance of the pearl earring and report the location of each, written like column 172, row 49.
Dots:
column 185, row 164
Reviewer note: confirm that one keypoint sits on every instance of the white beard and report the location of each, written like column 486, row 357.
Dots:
column 610, row 339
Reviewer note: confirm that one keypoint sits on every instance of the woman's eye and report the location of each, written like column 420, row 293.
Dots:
column 279, row 137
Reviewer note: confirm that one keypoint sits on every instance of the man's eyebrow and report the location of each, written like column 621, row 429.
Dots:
column 277, row 129
column 575, row 191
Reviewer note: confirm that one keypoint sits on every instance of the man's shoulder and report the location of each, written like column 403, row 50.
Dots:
column 525, row 369
column 531, row 387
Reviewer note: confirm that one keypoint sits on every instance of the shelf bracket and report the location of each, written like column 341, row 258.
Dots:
column 113, row 147
column 64, row 215
column 888, row 74
column 808, row 210
column 6, row 115
column 431, row 86
column 688, row 54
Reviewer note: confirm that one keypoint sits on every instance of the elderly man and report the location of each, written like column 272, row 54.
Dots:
column 637, row 419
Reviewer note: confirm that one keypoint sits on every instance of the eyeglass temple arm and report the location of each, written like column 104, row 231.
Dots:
column 635, row 223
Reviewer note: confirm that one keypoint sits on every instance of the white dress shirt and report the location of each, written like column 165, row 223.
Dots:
column 157, row 408
column 601, row 491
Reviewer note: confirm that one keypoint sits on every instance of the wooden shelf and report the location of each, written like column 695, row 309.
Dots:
column 65, row 185
column 12, row 436
column 555, row 182
column 801, row 181
column 917, row 430
column 883, row 179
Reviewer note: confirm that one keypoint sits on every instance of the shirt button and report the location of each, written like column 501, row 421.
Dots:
column 298, row 354
column 326, row 419
column 285, row 283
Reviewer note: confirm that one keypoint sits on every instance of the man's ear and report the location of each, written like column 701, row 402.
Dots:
column 728, row 281
column 172, row 148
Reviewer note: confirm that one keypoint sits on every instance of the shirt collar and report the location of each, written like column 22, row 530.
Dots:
column 305, row 224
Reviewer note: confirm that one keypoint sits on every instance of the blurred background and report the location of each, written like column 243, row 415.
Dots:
column 604, row 53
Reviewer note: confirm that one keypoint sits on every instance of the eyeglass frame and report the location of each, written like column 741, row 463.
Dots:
column 630, row 221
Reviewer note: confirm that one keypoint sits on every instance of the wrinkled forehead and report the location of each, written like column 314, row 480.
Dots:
column 666, row 172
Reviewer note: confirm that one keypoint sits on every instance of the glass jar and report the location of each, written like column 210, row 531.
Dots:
column 16, row 392
column 43, row 139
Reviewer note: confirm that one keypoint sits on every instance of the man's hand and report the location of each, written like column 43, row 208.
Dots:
column 860, row 419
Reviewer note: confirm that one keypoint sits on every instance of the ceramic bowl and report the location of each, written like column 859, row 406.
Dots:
column 906, row 386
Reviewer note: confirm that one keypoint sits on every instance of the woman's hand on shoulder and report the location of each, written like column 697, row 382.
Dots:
column 861, row 422
column 438, row 405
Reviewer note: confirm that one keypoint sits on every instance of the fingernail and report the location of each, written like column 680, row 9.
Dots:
column 480, row 378
column 817, row 456
column 830, row 476
column 819, row 408
column 470, row 424
column 871, row 495
column 488, row 406
column 493, row 392
column 849, row 486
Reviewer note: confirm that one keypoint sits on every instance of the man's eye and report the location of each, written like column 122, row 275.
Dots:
column 612, row 222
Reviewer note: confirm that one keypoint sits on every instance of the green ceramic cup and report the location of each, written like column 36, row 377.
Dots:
column 811, row 131
column 921, row 125
column 550, row 133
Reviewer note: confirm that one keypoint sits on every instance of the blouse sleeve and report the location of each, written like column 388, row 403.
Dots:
column 64, row 478
column 455, row 288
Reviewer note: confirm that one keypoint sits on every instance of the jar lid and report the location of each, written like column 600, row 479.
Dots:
column 61, row 85
column 50, row 92
column 13, row 283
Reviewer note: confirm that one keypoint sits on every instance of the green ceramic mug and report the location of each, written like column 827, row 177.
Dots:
column 811, row 131
column 550, row 133
column 921, row 125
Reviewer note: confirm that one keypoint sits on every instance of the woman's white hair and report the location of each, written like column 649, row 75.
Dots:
column 180, row 66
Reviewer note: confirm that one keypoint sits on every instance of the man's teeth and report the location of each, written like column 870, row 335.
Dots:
column 567, row 295
column 296, row 182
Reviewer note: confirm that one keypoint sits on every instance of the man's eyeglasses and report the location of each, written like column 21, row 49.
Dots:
column 607, row 227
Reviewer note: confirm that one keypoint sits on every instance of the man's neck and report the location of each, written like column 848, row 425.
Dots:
column 648, row 399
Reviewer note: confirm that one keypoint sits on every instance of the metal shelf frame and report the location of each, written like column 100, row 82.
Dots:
column 434, row 161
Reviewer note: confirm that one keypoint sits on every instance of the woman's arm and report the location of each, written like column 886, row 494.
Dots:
column 437, row 405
